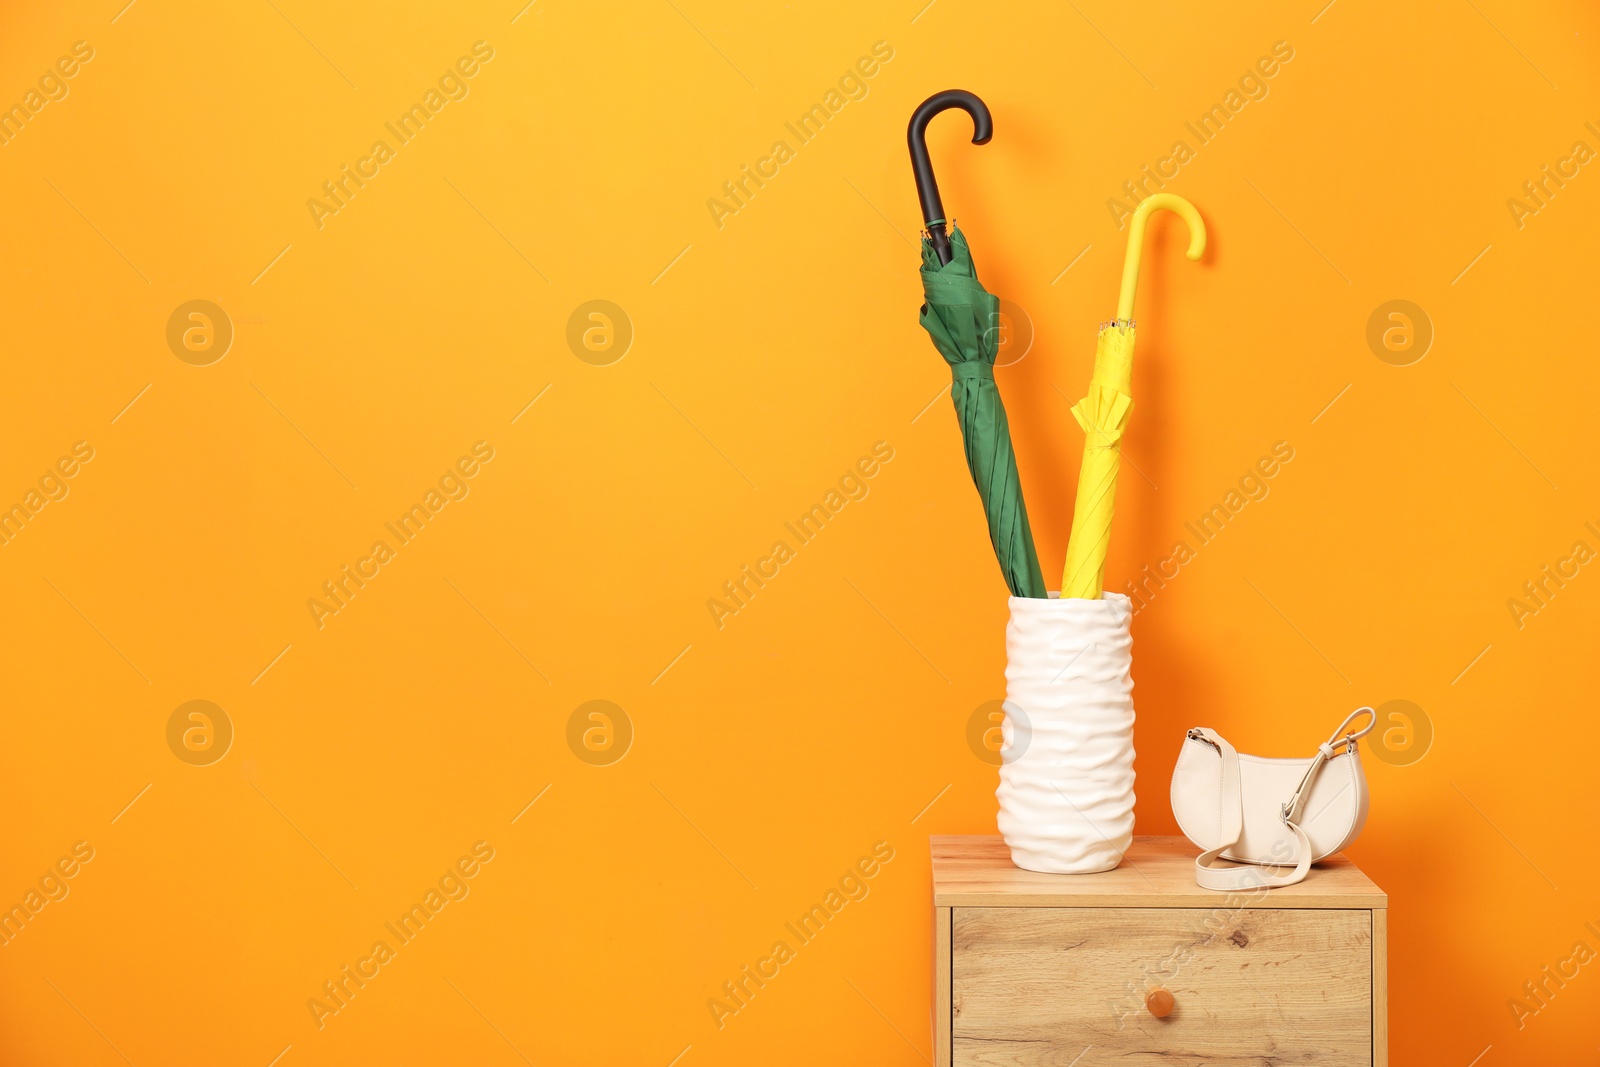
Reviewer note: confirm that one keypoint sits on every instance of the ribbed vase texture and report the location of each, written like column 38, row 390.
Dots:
column 1066, row 777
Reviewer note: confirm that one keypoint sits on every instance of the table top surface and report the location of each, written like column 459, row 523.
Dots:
column 1158, row 872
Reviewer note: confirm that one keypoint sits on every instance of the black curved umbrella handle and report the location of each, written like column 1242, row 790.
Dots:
column 922, row 169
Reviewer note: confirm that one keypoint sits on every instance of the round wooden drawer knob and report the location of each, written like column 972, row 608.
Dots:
column 1160, row 1002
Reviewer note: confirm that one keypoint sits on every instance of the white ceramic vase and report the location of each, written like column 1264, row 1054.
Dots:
column 1066, row 773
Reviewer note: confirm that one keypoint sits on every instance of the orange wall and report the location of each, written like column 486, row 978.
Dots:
column 769, row 353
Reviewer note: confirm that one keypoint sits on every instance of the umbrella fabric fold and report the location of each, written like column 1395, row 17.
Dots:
column 962, row 318
column 1103, row 414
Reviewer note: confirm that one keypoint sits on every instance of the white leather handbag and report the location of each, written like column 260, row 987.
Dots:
column 1272, row 813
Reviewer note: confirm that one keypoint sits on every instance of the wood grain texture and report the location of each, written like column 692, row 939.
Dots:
column 1053, row 986
column 1380, row 987
column 1157, row 872
column 941, row 986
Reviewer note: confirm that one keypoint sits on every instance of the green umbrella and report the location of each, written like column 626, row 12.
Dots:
column 962, row 317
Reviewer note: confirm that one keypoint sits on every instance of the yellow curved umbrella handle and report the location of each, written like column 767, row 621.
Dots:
column 1130, row 265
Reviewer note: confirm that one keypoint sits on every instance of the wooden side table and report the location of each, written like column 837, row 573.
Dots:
column 1139, row 965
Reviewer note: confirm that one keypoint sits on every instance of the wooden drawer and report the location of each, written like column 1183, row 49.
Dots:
column 1067, row 985
column 1036, row 969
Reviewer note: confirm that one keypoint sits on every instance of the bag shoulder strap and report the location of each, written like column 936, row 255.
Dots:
column 1231, row 823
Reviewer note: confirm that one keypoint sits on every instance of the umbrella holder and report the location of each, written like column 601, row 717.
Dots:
column 1066, row 773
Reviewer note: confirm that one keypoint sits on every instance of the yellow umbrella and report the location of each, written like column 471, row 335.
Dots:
column 1103, row 414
